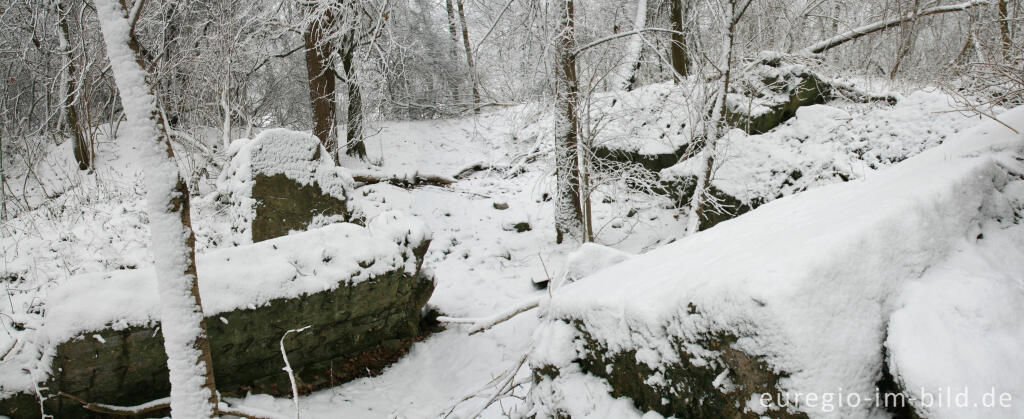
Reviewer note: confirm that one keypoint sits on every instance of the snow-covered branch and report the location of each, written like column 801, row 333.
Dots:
column 877, row 26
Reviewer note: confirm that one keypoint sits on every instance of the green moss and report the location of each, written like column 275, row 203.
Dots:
column 683, row 390
column 283, row 204
column 356, row 329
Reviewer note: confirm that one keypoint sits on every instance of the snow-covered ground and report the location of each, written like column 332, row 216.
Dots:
column 483, row 256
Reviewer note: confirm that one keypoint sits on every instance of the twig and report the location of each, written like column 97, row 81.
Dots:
column 288, row 369
column 479, row 324
column 150, row 406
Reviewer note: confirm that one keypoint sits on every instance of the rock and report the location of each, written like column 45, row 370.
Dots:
column 500, row 206
column 282, row 181
column 360, row 325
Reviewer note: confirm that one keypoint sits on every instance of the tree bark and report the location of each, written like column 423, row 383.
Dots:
column 677, row 14
column 80, row 146
column 469, row 57
column 453, row 47
column 193, row 391
column 1004, row 29
column 568, row 213
column 354, row 145
column 321, row 75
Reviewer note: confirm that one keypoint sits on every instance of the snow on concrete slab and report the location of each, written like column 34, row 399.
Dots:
column 806, row 282
column 955, row 340
column 233, row 278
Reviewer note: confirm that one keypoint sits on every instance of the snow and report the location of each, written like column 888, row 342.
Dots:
column 809, row 281
column 230, row 279
column 957, row 330
column 296, row 155
column 172, row 237
column 481, row 264
column 826, row 144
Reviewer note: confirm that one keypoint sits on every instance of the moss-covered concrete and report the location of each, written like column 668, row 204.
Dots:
column 355, row 330
column 282, row 205
column 683, row 389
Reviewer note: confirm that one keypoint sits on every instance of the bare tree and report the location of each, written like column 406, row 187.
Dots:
column 320, row 70
column 469, row 57
column 568, row 213
column 715, row 126
column 69, row 91
column 1004, row 29
column 193, row 391
column 629, row 67
column 678, row 10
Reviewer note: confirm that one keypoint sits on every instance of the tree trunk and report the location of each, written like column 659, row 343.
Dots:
column 469, row 57
column 629, row 68
column 322, row 89
column 453, row 47
column 908, row 34
column 193, row 391
column 568, row 214
column 226, row 108
column 354, row 145
column 677, row 14
column 80, row 147
column 1004, row 30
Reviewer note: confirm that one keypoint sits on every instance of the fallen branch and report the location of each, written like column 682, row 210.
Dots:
column 164, row 404
column 403, row 181
column 473, row 168
column 877, row 26
column 480, row 324
column 107, row 409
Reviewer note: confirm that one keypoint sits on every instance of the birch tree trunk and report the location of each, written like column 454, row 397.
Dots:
column 568, row 214
column 80, row 147
column 193, row 391
column 628, row 69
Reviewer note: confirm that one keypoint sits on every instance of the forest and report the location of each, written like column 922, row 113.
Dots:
column 512, row 208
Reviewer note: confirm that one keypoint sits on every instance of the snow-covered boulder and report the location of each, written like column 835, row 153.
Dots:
column 360, row 289
column 282, row 181
column 654, row 126
column 821, row 145
column 790, row 310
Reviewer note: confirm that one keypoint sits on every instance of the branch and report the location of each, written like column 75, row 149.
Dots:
column 288, row 369
column 151, row 406
column 164, row 404
column 877, row 26
column 480, row 324
column 402, row 180
column 620, row 35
